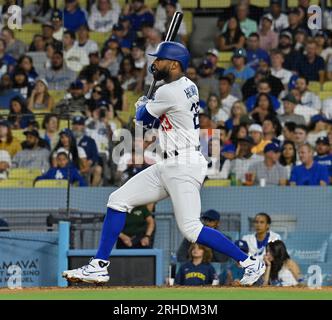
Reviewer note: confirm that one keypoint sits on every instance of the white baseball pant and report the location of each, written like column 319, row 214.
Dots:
column 180, row 178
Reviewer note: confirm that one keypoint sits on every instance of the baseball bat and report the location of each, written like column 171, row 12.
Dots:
column 170, row 36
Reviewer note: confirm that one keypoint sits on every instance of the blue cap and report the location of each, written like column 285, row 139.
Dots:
column 243, row 245
column 207, row 63
column 317, row 118
column 102, row 103
column 323, row 140
column 229, row 148
column 272, row 147
column 211, row 214
column 77, row 84
column 78, row 120
column 67, row 132
column 238, row 53
column 56, row 15
column 118, row 27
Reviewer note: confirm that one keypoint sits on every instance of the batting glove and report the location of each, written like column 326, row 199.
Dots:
column 142, row 101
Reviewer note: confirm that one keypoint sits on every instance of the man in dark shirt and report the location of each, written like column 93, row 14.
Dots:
column 311, row 65
column 210, row 218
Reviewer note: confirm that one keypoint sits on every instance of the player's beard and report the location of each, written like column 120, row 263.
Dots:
column 159, row 75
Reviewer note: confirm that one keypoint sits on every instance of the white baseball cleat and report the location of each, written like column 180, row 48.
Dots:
column 253, row 270
column 94, row 272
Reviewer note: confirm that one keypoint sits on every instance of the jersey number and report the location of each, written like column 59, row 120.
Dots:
column 195, row 108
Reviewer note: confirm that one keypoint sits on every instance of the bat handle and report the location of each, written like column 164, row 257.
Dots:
column 152, row 86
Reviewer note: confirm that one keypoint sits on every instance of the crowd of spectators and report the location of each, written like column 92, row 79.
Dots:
column 259, row 113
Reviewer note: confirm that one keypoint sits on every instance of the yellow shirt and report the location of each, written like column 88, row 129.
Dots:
column 12, row 148
column 260, row 147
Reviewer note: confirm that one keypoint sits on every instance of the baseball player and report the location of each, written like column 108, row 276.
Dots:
column 178, row 176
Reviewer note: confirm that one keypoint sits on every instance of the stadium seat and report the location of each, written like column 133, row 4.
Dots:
column 295, row 3
column 217, row 183
column 215, row 4
column 325, row 95
column 18, row 134
column 131, row 97
column 25, row 37
column 188, row 20
column 4, row 112
column 24, row 174
column 260, row 3
column 151, row 3
column 52, row 183
column 57, row 95
column 9, row 183
column 327, row 86
column 189, row 4
column 122, row 3
column 63, row 124
column 314, row 86
column 225, row 56
column 99, row 37
column 34, row 28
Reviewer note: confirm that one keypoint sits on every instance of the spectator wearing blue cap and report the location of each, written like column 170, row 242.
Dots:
column 90, row 167
column 318, row 127
column 239, row 68
column 254, row 52
column 210, row 218
column 309, row 173
column 56, row 20
column 233, row 273
column 73, row 15
column 62, row 169
column 75, row 103
column 232, row 38
column 104, row 15
column 269, row 172
column 324, row 156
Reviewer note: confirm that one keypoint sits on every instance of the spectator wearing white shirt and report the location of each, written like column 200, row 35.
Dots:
column 258, row 241
column 277, row 70
column 163, row 25
column 317, row 128
column 83, row 42
column 5, row 164
column 56, row 20
column 308, row 98
column 327, row 108
column 226, row 98
column 161, row 15
column 279, row 19
column 75, row 57
column 104, row 14
column 217, row 114
column 305, row 111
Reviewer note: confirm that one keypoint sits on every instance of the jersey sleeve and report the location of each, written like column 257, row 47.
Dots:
column 162, row 103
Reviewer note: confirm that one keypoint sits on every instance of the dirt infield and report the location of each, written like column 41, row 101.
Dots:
column 167, row 293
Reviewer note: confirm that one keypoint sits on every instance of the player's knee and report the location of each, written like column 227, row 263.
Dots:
column 117, row 202
column 191, row 230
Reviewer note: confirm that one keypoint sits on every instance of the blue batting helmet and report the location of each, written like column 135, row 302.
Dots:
column 173, row 51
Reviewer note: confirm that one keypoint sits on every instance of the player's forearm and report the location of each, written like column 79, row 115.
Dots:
column 150, row 227
column 142, row 114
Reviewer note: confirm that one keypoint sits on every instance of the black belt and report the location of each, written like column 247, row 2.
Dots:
column 176, row 153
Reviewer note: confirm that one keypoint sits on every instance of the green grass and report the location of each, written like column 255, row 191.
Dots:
column 167, row 294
